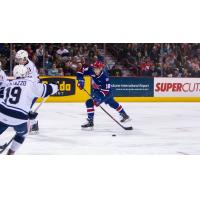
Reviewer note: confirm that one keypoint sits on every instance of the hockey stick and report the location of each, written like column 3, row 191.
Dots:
column 4, row 146
column 44, row 99
column 36, row 109
column 125, row 128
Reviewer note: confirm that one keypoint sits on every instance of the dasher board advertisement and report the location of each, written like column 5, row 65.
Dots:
column 176, row 87
column 67, row 88
column 132, row 87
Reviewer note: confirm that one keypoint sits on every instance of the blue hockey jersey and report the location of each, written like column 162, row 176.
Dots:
column 100, row 82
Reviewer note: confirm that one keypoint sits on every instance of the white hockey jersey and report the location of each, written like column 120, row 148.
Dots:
column 3, row 79
column 18, row 98
column 32, row 71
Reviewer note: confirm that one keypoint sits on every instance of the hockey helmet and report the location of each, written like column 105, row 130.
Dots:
column 98, row 64
column 21, row 55
column 20, row 71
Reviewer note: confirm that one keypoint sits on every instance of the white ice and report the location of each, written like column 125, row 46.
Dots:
column 159, row 128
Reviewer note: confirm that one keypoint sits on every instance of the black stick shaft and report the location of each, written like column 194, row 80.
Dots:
column 6, row 145
column 106, row 111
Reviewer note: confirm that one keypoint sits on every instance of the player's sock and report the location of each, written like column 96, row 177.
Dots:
column 90, row 112
column 123, row 114
column 90, row 109
column 120, row 109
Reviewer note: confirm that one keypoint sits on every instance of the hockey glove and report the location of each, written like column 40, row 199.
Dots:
column 32, row 115
column 81, row 84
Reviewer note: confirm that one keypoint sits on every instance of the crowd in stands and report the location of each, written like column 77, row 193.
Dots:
column 5, row 56
column 53, row 59
column 156, row 59
column 134, row 59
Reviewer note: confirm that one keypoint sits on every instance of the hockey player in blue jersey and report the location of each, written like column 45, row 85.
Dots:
column 102, row 92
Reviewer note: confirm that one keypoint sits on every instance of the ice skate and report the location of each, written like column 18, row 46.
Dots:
column 88, row 124
column 34, row 129
column 124, row 118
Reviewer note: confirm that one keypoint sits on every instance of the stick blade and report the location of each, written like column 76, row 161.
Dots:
column 128, row 128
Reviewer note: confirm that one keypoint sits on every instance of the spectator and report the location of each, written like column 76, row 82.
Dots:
column 47, row 64
column 54, row 71
column 39, row 54
column 42, row 72
column 40, row 51
column 30, row 51
column 62, row 51
column 115, row 71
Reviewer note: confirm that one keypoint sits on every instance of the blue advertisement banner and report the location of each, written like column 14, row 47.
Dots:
column 132, row 87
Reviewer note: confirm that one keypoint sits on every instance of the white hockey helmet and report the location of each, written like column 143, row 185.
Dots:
column 21, row 57
column 20, row 71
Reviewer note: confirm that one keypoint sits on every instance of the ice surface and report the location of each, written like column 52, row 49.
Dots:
column 159, row 128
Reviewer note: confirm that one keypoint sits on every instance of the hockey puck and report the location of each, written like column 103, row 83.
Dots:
column 113, row 135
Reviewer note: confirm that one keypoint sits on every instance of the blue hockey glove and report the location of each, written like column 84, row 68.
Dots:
column 81, row 84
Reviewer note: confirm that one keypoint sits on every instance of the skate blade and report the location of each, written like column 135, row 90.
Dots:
column 34, row 133
column 87, row 129
column 128, row 120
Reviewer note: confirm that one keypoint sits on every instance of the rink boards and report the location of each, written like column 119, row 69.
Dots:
column 131, row 89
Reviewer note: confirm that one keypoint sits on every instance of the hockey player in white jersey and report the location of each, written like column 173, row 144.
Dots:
column 3, row 81
column 16, row 104
column 21, row 58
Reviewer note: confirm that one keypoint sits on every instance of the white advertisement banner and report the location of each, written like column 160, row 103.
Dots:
column 176, row 87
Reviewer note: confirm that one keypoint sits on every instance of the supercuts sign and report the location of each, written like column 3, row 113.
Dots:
column 183, row 87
